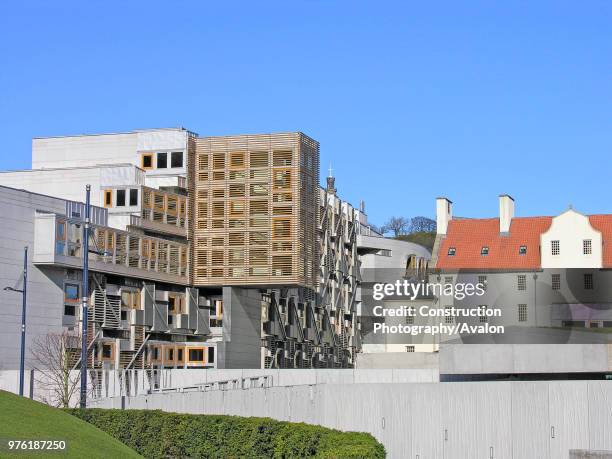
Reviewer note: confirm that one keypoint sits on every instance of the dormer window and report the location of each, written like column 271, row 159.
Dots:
column 452, row 251
column 484, row 250
column 523, row 250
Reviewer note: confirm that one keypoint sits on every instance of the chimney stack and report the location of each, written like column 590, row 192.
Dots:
column 444, row 214
column 506, row 213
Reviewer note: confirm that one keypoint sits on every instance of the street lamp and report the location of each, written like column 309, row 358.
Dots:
column 23, row 317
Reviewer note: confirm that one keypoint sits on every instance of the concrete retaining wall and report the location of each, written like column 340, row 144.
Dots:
column 519, row 420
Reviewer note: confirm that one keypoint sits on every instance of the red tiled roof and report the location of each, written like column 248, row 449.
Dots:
column 603, row 223
column 468, row 236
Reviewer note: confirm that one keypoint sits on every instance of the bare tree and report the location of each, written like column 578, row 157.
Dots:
column 397, row 225
column 422, row 225
column 54, row 355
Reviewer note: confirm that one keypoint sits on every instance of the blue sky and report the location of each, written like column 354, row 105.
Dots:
column 408, row 100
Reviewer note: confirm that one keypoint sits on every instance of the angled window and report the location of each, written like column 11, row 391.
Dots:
column 484, row 250
column 523, row 250
column 452, row 251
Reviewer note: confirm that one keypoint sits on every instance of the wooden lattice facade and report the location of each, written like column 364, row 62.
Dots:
column 255, row 207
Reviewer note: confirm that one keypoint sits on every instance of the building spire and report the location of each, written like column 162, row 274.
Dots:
column 331, row 181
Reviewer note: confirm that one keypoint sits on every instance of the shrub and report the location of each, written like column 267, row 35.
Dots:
column 157, row 434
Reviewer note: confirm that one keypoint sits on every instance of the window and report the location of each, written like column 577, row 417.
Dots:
column 521, row 282
column 133, row 197
column 555, row 281
column 522, row 313
column 384, row 253
column 69, row 310
column 211, row 355
column 409, row 348
column 120, row 198
column 483, row 311
column 155, row 353
column 523, row 250
column 555, row 248
column 147, row 161
column 484, row 251
column 452, row 251
column 588, row 281
column 409, row 320
column 170, row 354
column 71, row 293
column 179, row 355
column 107, row 351
column 162, row 160
column 108, row 198
column 482, row 280
column 196, row 355
column 124, row 315
column 448, row 318
column 176, row 159
column 587, row 247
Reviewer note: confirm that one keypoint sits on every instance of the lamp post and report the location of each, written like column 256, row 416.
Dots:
column 85, row 300
column 23, row 317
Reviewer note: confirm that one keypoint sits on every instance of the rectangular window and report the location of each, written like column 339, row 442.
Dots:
column 211, row 355
column 555, row 248
column 162, row 160
column 170, row 354
column 523, row 250
column 176, row 159
column 482, row 280
column 196, row 355
column 452, row 251
column 522, row 313
column 409, row 320
column 521, row 282
column 120, row 198
column 483, row 311
column 71, row 293
column 588, row 281
column 179, row 355
column 384, row 253
column 133, row 197
column 409, row 348
column 555, row 281
column 107, row 351
column 587, row 247
column 147, row 161
column 69, row 310
column 448, row 280
column 108, row 198
column 448, row 317
column 484, row 251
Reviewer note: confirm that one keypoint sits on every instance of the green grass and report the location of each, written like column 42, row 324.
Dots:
column 25, row 419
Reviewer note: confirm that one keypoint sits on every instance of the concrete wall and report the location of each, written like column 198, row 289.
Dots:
column 45, row 295
column 241, row 345
column 519, row 420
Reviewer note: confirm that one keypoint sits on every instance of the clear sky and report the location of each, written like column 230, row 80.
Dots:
column 409, row 100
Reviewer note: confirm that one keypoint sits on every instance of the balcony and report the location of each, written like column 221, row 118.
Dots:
column 161, row 212
column 58, row 241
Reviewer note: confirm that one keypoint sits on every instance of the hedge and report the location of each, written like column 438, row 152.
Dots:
column 158, row 434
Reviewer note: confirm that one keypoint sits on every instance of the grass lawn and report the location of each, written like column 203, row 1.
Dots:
column 25, row 419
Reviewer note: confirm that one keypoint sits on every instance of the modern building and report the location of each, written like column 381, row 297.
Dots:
column 205, row 251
